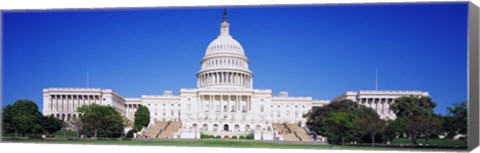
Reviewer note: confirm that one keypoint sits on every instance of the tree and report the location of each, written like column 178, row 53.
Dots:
column 316, row 117
column 77, row 125
column 430, row 125
column 22, row 117
column 103, row 121
column 408, row 106
column 51, row 124
column 415, row 111
column 456, row 120
column 371, row 125
column 142, row 117
column 395, row 128
column 338, row 126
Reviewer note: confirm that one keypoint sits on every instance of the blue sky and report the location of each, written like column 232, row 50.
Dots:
column 319, row 51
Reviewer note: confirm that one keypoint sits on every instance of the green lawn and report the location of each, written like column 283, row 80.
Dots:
column 199, row 143
column 58, row 134
column 67, row 134
column 205, row 143
column 438, row 142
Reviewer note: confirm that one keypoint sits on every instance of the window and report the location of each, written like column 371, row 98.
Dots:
column 261, row 108
column 163, row 104
column 172, row 104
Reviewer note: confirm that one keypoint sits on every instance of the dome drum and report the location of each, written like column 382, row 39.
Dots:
column 224, row 63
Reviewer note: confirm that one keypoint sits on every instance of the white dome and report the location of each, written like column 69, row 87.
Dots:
column 224, row 64
column 224, row 44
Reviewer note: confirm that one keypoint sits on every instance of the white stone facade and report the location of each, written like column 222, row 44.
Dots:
column 63, row 102
column 224, row 102
column 378, row 100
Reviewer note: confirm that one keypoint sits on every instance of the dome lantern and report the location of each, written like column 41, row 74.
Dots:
column 224, row 64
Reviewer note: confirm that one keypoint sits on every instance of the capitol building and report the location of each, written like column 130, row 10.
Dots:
column 225, row 103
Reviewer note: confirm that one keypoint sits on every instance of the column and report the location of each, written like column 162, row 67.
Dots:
column 67, row 103
column 251, row 82
column 384, row 103
column 234, row 76
column 236, row 103
column 368, row 103
column 70, row 103
column 63, row 103
column 230, row 102
column 201, row 103
column 50, row 102
column 84, row 98
column 220, row 77
column 214, row 77
column 224, row 78
column 388, row 108
column 247, row 103
column 250, row 103
column 54, row 103
column 221, row 100
column 211, row 103
column 242, row 80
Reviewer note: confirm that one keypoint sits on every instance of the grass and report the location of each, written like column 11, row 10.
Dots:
column 58, row 134
column 191, row 143
column 68, row 134
column 204, row 143
column 438, row 142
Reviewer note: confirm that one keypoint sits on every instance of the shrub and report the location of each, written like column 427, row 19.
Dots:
column 204, row 136
column 241, row 137
column 249, row 136
column 234, row 137
column 131, row 133
column 218, row 137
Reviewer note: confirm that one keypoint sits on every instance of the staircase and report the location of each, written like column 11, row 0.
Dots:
column 300, row 132
column 285, row 132
column 170, row 130
column 154, row 130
